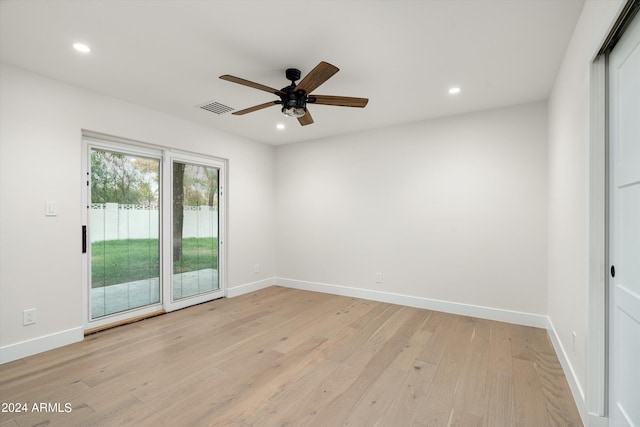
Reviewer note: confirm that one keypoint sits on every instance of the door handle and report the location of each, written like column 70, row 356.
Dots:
column 613, row 271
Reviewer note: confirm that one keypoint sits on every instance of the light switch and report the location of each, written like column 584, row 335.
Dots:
column 52, row 208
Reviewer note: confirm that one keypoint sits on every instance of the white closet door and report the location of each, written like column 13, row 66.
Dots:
column 624, row 120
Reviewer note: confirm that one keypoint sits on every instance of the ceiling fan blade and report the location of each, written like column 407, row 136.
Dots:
column 249, row 83
column 340, row 101
column 306, row 119
column 255, row 108
column 320, row 74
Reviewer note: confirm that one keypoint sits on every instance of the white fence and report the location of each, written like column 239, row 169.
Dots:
column 112, row 221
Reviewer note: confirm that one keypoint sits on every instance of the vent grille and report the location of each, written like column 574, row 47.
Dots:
column 216, row 107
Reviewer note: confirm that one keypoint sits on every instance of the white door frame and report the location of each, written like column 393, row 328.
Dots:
column 166, row 156
column 596, row 396
column 167, row 266
column 91, row 141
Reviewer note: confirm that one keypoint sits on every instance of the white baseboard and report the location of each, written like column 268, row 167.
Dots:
column 569, row 373
column 33, row 346
column 250, row 287
column 520, row 318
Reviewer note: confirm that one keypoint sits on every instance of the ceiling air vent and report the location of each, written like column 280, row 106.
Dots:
column 215, row 107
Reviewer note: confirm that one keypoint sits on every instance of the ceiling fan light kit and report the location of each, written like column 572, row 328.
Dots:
column 294, row 98
column 294, row 102
column 293, row 110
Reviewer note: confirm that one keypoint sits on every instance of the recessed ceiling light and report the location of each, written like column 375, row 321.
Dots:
column 280, row 126
column 81, row 47
column 454, row 90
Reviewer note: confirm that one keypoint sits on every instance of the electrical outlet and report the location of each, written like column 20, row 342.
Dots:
column 29, row 317
column 378, row 277
column 256, row 268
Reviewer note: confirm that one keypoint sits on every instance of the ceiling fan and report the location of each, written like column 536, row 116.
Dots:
column 294, row 98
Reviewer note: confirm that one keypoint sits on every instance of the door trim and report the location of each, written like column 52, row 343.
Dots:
column 596, row 396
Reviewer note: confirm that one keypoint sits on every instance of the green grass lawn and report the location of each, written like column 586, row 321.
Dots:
column 120, row 261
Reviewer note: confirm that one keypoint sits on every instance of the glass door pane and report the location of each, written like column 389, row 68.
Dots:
column 124, row 228
column 195, row 229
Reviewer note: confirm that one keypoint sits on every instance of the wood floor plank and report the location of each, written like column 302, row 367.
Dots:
column 541, row 342
column 500, row 354
column 464, row 419
column 408, row 355
column 560, row 405
column 334, row 385
column 404, row 407
column 471, row 396
column 390, row 340
column 264, row 386
column 438, row 403
column 530, row 406
column 367, row 325
column 521, row 345
column 334, row 314
column 290, row 404
column 285, row 357
column 501, row 406
column 375, row 402
column 442, row 326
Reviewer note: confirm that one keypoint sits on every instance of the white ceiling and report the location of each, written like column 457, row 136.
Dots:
column 402, row 55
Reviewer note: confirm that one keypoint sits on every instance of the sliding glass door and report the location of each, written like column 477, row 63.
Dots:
column 124, row 232
column 154, row 230
column 195, row 229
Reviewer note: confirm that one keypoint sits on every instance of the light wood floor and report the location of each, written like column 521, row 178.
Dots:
column 284, row 357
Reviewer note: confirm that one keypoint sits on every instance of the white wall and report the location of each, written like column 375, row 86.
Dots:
column 453, row 209
column 569, row 171
column 40, row 160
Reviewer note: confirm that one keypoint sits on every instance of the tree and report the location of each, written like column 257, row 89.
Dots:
column 212, row 175
column 193, row 185
column 118, row 178
column 201, row 185
column 178, row 209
